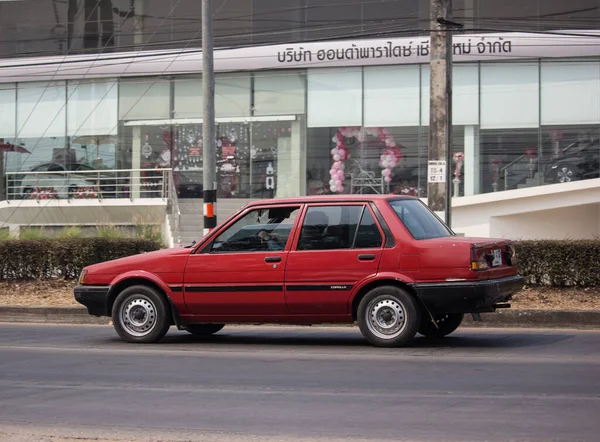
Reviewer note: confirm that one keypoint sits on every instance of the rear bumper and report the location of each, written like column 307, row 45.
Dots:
column 93, row 297
column 468, row 297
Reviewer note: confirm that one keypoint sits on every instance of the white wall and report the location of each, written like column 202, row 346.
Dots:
column 559, row 211
column 580, row 222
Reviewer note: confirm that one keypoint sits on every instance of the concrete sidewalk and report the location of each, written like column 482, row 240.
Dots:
column 579, row 319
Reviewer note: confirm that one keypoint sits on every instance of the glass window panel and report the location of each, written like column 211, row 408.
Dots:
column 334, row 97
column 8, row 110
column 41, row 109
column 279, row 93
column 258, row 231
column 232, row 95
column 509, row 95
column 391, row 96
column 92, row 108
column 144, row 99
column 570, row 92
column 368, row 235
column 329, row 227
column 188, row 97
column 465, row 94
column 568, row 153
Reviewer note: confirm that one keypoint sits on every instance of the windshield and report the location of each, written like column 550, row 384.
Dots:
column 419, row 220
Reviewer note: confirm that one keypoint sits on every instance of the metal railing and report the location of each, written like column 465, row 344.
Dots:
column 90, row 184
column 517, row 161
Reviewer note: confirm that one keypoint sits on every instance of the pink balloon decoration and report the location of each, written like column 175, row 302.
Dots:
column 388, row 179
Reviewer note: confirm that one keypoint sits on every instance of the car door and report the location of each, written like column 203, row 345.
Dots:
column 338, row 246
column 241, row 272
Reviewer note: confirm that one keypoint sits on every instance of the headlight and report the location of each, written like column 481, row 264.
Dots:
column 82, row 277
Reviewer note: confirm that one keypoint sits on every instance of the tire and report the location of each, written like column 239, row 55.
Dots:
column 446, row 324
column 72, row 192
column 141, row 315
column 388, row 316
column 204, row 329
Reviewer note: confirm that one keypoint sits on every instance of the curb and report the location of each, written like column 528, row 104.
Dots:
column 578, row 319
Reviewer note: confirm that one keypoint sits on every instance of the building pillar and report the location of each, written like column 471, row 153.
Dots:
column 291, row 163
column 136, row 161
column 472, row 170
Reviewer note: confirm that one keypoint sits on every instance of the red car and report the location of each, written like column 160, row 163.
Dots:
column 387, row 262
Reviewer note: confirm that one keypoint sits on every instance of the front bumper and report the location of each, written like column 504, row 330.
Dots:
column 468, row 297
column 93, row 297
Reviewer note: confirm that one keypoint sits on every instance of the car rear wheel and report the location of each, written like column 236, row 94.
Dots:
column 388, row 317
column 446, row 324
column 204, row 329
column 140, row 314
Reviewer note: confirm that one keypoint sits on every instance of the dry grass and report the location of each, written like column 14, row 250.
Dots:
column 60, row 293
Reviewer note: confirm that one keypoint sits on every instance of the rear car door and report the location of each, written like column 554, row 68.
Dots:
column 337, row 246
column 241, row 272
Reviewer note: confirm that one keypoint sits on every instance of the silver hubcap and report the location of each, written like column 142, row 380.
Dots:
column 386, row 318
column 564, row 175
column 138, row 315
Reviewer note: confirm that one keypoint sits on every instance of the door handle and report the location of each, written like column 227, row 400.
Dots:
column 273, row 259
column 366, row 257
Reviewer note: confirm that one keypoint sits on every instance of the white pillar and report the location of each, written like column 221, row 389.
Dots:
column 136, row 160
column 472, row 174
column 291, row 164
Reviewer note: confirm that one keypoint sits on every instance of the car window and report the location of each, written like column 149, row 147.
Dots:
column 331, row 227
column 55, row 168
column 258, row 231
column 41, row 168
column 419, row 220
column 368, row 235
column 75, row 166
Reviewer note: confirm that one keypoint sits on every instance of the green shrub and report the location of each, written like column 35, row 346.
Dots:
column 109, row 232
column 33, row 233
column 46, row 258
column 5, row 235
column 560, row 263
column 69, row 232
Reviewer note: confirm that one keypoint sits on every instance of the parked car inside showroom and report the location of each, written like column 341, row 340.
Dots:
column 579, row 161
column 384, row 261
column 66, row 182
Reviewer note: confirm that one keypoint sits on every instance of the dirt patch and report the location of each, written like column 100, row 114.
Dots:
column 60, row 293
column 38, row 293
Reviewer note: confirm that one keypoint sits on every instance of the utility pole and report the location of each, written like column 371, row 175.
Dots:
column 439, row 166
column 209, row 161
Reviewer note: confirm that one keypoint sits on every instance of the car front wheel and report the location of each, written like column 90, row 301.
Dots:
column 140, row 314
column 446, row 324
column 388, row 316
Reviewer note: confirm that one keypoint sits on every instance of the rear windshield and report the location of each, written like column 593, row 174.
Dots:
column 419, row 220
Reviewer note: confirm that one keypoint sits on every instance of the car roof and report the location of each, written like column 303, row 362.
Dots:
column 328, row 199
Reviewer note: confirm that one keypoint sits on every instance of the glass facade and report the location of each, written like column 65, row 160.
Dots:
column 318, row 131
column 44, row 27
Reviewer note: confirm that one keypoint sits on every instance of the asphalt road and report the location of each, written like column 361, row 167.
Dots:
column 269, row 383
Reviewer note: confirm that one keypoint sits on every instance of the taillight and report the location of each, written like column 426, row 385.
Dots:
column 478, row 259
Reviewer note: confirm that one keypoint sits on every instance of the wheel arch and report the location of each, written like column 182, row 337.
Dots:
column 125, row 282
column 387, row 280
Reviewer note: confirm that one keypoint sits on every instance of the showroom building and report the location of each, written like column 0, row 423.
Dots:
column 317, row 117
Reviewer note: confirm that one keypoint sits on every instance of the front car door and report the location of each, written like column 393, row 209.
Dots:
column 240, row 273
column 338, row 246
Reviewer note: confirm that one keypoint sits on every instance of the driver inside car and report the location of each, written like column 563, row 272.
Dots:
column 273, row 243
